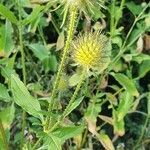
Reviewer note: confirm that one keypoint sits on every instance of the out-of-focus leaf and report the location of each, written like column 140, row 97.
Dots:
column 6, row 40
column 7, row 116
column 136, row 33
column 8, row 14
column 117, row 40
column 4, row 96
column 23, row 98
column 106, row 141
column 74, row 79
column 127, row 83
column 135, row 9
column 144, row 68
column 61, row 41
column 39, row 51
column 106, row 119
column 140, row 58
column 34, row 15
column 50, row 63
column 65, row 133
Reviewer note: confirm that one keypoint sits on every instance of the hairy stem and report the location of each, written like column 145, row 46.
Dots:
column 66, row 111
column 73, row 15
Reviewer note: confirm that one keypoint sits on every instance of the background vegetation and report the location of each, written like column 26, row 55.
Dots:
column 111, row 110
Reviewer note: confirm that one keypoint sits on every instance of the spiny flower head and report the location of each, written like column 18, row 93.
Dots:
column 83, row 5
column 92, row 51
column 88, row 7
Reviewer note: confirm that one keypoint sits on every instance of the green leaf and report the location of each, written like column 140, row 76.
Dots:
column 50, row 63
column 6, row 40
column 74, row 105
column 7, row 116
column 144, row 68
column 140, row 58
column 93, row 110
column 55, row 139
column 127, row 83
column 74, row 79
column 8, row 14
column 119, row 128
column 51, row 141
column 60, row 41
column 4, row 94
column 34, row 15
column 23, row 98
column 39, row 51
column 106, row 141
column 65, row 133
column 124, row 105
column 135, row 9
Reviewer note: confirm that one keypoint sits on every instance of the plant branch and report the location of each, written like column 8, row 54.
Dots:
column 73, row 16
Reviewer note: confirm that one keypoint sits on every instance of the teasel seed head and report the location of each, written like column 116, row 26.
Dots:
column 86, row 6
column 92, row 51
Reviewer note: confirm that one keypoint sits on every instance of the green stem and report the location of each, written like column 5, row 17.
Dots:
column 23, row 70
column 66, row 111
column 112, row 18
column 72, row 22
column 2, row 132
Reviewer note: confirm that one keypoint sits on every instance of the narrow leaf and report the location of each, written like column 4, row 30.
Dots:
column 74, row 105
column 34, row 15
column 8, row 14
